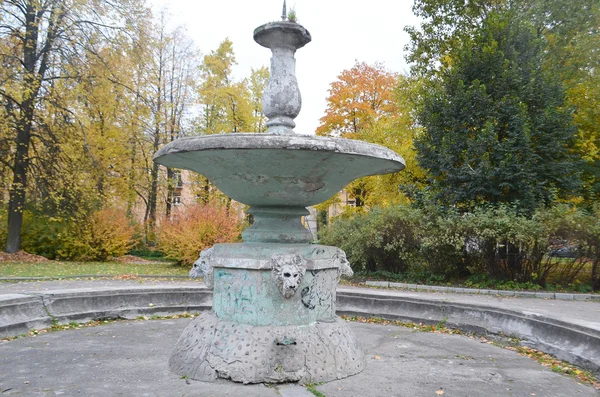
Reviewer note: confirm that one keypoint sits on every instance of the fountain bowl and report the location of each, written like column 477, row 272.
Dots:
column 279, row 170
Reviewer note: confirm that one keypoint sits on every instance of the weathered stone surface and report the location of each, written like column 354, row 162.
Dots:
column 253, row 297
column 85, row 305
column 282, row 100
column 259, row 256
column 272, row 170
column 129, row 359
column 19, row 313
column 251, row 286
column 575, row 341
column 210, row 348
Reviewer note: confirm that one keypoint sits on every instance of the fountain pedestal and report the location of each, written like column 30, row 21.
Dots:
column 266, row 327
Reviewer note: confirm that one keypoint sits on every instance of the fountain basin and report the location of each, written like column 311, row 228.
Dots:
column 268, row 170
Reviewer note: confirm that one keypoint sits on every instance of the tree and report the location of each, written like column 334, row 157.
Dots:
column 257, row 84
column 375, row 105
column 446, row 24
column 496, row 128
column 44, row 42
column 361, row 97
column 225, row 104
column 570, row 30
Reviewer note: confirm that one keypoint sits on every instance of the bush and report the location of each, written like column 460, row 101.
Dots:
column 200, row 227
column 98, row 237
column 106, row 234
column 383, row 239
column 442, row 249
column 493, row 243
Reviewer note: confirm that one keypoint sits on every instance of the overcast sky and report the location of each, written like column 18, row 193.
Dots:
column 343, row 31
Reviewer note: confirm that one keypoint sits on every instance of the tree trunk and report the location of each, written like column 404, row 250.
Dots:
column 153, row 193
column 596, row 275
column 170, row 190
column 30, row 90
column 16, row 201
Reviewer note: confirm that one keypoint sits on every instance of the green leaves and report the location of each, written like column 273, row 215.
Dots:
column 496, row 129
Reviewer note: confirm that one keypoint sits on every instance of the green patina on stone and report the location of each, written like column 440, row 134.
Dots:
column 251, row 297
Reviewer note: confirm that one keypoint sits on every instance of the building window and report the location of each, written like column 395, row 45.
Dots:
column 177, row 180
column 177, row 199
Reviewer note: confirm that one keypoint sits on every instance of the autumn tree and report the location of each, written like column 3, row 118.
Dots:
column 359, row 98
column 373, row 104
column 256, row 84
column 169, row 91
column 43, row 44
column 225, row 103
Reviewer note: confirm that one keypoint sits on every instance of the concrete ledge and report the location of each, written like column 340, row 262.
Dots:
column 20, row 313
column 570, row 342
column 522, row 294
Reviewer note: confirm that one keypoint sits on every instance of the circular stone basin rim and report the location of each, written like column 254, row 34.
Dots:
column 272, row 141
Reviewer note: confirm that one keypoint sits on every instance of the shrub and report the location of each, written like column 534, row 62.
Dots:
column 107, row 234
column 493, row 243
column 383, row 239
column 199, row 227
column 100, row 236
column 442, row 248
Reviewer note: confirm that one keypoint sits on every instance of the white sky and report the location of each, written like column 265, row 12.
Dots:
column 343, row 31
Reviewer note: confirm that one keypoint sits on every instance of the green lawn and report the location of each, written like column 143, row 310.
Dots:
column 61, row 268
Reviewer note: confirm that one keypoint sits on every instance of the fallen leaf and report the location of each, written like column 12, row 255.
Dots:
column 377, row 357
column 439, row 392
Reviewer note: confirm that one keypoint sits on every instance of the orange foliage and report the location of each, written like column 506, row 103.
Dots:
column 359, row 98
column 200, row 227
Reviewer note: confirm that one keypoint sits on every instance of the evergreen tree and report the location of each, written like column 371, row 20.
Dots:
column 496, row 128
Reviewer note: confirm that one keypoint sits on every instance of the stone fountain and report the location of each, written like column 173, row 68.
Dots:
column 273, row 317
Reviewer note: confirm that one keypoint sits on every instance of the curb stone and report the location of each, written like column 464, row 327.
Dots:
column 460, row 290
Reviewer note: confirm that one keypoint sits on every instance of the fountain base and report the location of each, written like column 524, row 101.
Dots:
column 210, row 348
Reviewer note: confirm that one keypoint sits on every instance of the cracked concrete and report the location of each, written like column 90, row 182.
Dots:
column 130, row 358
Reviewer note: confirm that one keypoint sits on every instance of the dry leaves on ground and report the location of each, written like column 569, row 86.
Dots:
column 21, row 256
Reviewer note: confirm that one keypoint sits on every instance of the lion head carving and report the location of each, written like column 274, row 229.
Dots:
column 288, row 271
column 342, row 264
column 203, row 267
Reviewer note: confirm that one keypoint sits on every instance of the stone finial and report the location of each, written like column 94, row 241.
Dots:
column 284, row 12
column 281, row 100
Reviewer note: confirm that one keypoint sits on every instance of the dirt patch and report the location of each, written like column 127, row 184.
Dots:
column 22, row 256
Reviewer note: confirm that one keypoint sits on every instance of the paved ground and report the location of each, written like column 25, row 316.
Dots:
column 130, row 359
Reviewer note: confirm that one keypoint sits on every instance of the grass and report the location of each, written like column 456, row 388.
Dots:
column 311, row 387
column 64, row 268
